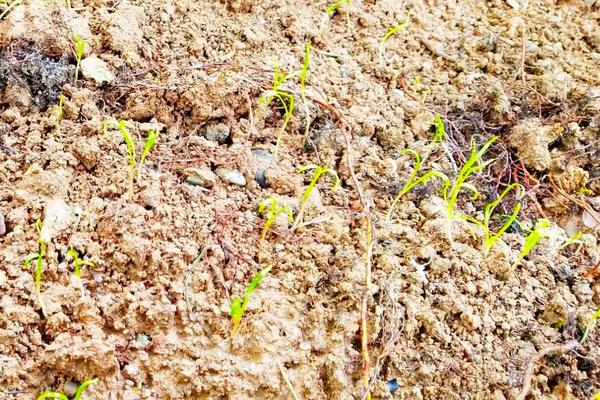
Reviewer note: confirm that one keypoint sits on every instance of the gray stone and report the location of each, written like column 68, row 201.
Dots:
column 261, row 160
column 200, row 177
column 216, row 132
column 231, row 176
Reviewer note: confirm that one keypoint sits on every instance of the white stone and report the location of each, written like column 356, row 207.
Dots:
column 94, row 68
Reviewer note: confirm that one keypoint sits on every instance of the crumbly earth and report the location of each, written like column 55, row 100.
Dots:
column 446, row 319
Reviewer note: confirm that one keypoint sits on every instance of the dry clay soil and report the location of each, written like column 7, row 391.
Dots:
column 445, row 319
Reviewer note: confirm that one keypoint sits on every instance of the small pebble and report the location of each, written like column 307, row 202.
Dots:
column 2, row 225
column 231, row 176
column 262, row 161
column 216, row 133
column 200, row 177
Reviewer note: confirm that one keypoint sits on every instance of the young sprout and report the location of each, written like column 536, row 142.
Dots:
column 538, row 232
column 440, row 130
column 60, row 396
column 79, row 49
column 238, row 306
column 150, row 141
column 78, row 262
column 418, row 88
column 414, row 181
column 122, row 125
column 332, row 9
column 472, row 165
column 303, row 75
column 490, row 237
column 390, row 32
column 318, row 172
column 7, row 7
column 286, row 99
column 38, row 257
column 272, row 211
column 58, row 113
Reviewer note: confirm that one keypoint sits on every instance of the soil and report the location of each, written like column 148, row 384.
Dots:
column 446, row 319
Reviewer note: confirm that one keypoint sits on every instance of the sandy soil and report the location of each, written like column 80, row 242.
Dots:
column 446, row 319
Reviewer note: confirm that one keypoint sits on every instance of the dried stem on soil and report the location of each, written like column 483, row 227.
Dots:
column 346, row 131
column 537, row 357
column 287, row 381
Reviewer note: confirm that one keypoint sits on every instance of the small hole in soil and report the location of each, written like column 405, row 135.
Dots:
column 584, row 364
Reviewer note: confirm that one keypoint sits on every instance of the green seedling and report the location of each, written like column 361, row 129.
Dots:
column 7, row 7
column 490, row 237
column 286, row 99
column 318, row 172
column 38, row 257
column 303, row 75
column 238, row 306
column 390, row 32
column 440, row 130
column 420, row 89
column 591, row 324
column 78, row 262
column 332, row 9
column 538, row 232
column 131, row 153
column 414, row 181
column 572, row 240
column 150, row 141
column 58, row 113
column 122, row 125
column 272, row 210
column 472, row 165
column 60, row 396
column 79, row 49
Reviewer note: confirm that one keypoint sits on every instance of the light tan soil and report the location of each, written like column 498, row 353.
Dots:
column 150, row 319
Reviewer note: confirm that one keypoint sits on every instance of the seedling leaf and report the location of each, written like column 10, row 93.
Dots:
column 440, row 130
column 535, row 235
column 318, row 172
column 79, row 49
column 122, row 125
column 150, row 141
column 272, row 213
column 60, row 396
column 238, row 307
column 414, row 181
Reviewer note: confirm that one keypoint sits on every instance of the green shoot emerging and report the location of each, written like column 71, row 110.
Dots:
column 535, row 235
column 490, row 237
column 414, row 181
column 440, row 130
column 122, row 125
column 420, row 89
column 332, row 9
column 131, row 153
column 273, row 211
column 286, row 99
column 78, row 262
column 38, row 257
column 60, row 396
column 303, row 75
column 390, row 32
column 58, row 112
column 238, row 306
column 590, row 325
column 472, row 165
column 150, row 141
column 318, row 172
column 6, row 7
column 79, row 49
